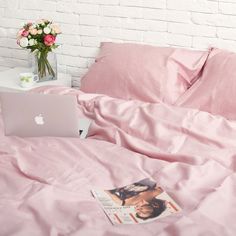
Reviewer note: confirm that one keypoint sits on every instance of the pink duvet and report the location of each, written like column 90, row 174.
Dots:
column 45, row 182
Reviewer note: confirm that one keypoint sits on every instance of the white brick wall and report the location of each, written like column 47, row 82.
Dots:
column 85, row 23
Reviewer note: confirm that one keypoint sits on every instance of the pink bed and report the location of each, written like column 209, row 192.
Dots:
column 168, row 114
column 45, row 182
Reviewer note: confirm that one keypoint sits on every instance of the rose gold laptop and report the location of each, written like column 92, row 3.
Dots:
column 34, row 115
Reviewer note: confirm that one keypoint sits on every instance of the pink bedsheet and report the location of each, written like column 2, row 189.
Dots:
column 45, row 182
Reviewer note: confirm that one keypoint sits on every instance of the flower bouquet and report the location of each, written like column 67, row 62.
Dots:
column 40, row 38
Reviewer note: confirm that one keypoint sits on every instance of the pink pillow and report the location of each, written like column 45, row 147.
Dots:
column 215, row 91
column 146, row 73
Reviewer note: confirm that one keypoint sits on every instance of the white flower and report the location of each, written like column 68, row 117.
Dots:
column 32, row 42
column 35, row 51
column 55, row 29
column 40, row 31
column 47, row 30
column 33, row 31
column 24, row 42
column 40, row 22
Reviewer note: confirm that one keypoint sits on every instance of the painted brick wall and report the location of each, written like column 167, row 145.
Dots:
column 85, row 23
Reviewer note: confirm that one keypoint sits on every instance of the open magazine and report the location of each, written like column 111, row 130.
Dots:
column 140, row 202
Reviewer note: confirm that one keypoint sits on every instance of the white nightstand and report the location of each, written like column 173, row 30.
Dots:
column 9, row 80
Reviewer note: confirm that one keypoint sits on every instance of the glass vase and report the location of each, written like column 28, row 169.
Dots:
column 45, row 66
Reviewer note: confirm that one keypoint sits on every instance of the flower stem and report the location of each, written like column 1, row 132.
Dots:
column 44, row 67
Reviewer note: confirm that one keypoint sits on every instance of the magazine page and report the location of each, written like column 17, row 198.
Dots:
column 139, row 202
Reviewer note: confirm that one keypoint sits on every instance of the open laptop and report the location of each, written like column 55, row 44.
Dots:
column 34, row 115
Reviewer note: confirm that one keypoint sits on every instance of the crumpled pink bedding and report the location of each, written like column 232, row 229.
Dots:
column 45, row 182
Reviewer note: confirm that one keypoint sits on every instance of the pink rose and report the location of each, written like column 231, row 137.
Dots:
column 49, row 40
column 20, row 33
column 25, row 33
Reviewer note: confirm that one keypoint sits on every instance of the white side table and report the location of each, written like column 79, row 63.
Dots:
column 9, row 80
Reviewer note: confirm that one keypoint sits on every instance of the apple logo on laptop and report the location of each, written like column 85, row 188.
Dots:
column 39, row 119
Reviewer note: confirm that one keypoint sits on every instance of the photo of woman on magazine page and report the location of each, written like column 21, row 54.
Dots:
column 142, row 195
column 139, row 202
